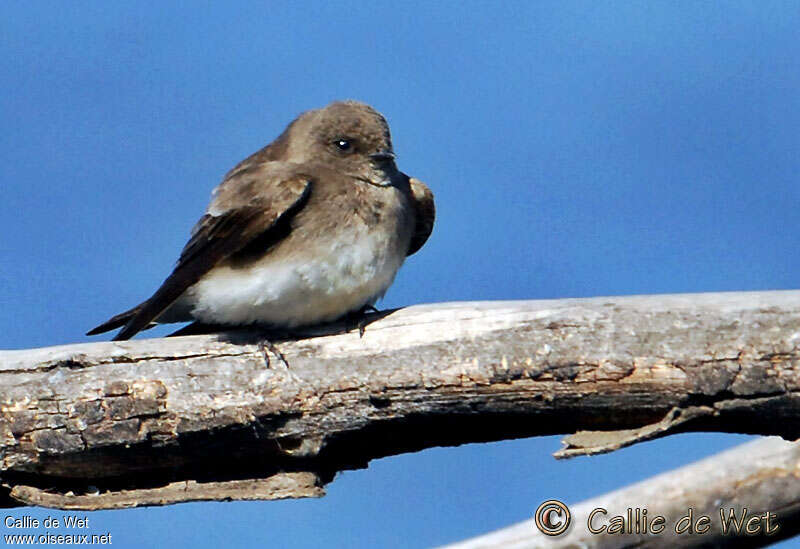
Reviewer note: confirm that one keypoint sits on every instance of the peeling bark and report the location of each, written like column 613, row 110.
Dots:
column 124, row 423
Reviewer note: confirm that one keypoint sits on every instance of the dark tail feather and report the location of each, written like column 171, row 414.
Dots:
column 115, row 322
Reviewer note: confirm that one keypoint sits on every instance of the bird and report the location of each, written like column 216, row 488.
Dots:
column 309, row 229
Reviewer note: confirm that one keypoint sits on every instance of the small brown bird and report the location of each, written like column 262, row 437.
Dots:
column 310, row 228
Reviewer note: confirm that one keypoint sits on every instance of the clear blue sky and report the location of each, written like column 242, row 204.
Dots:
column 575, row 149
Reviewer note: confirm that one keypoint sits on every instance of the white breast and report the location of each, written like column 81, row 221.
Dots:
column 313, row 285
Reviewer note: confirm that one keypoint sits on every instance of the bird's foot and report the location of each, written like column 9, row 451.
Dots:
column 359, row 318
column 266, row 347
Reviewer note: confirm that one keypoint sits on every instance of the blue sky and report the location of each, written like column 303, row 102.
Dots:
column 575, row 149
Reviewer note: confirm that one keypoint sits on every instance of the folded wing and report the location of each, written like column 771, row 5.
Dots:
column 252, row 203
column 425, row 214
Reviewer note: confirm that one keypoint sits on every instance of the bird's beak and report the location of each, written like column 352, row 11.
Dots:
column 382, row 156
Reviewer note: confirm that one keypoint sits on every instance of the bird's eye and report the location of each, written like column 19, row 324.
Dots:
column 344, row 145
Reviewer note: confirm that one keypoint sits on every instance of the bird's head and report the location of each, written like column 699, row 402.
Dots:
column 347, row 136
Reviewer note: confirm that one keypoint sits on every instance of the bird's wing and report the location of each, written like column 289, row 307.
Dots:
column 425, row 214
column 252, row 205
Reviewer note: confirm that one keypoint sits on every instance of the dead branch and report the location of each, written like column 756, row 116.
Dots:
column 148, row 422
column 758, row 481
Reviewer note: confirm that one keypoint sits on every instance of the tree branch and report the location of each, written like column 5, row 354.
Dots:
column 117, row 424
column 752, row 479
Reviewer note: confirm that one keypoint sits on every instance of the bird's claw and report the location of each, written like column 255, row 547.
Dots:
column 266, row 347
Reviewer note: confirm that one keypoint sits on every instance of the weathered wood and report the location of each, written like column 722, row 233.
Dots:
column 117, row 418
column 760, row 478
column 278, row 486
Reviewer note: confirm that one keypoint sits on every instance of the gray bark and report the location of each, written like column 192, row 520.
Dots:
column 118, row 424
column 758, row 480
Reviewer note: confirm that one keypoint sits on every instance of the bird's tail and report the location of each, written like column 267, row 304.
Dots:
column 115, row 321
